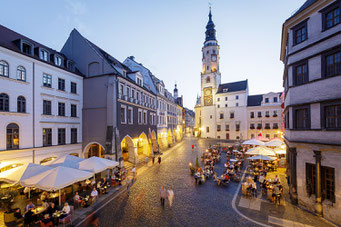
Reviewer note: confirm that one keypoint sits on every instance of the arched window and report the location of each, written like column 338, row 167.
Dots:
column 21, row 73
column 12, row 136
column 4, row 102
column 4, row 68
column 21, row 104
column 208, row 79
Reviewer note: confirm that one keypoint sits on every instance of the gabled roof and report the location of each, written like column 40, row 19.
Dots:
column 303, row 7
column 9, row 39
column 232, row 87
column 254, row 100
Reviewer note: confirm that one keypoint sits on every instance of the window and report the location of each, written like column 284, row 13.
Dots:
column 210, row 116
column 332, row 116
column 218, row 99
column 227, row 127
column 267, row 113
column 61, row 136
column 237, row 127
column 218, row 106
column 286, row 120
column 46, row 107
column 332, row 64
column 70, row 65
column 259, row 126
column 145, row 120
column 4, row 69
column 26, row 48
column 226, row 98
column 47, row 80
column 218, row 128
column 237, row 97
column 221, row 116
column 44, row 55
column 207, row 129
column 275, row 113
column 21, row 104
column 140, row 116
column 58, row 60
column 73, row 135
column 267, row 126
column 61, row 84
column 275, row 99
column 128, row 91
column 232, row 115
column 331, row 16
column 275, row 125
column 300, row 33
column 300, row 73
column 73, row 110
column 73, row 88
column 226, row 105
column 267, row 136
column 123, row 115
column 61, row 109
column 275, row 135
column 266, row 100
column 327, row 181
column 47, row 137
column 252, row 136
column 237, row 104
column 4, row 102
column 259, row 114
column 21, row 73
column 12, row 136
column 252, row 126
column 302, row 117
column 252, row 114
column 208, row 79
column 130, row 115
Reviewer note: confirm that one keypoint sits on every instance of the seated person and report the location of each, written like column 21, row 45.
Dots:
column 43, row 196
column 45, row 204
column 226, row 178
column 46, row 219
column 51, row 209
column 66, row 209
column 78, row 199
column 276, row 180
column 94, row 194
column 276, row 192
column 29, row 206
column 17, row 214
column 28, row 217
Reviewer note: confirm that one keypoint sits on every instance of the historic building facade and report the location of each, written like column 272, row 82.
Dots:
column 41, row 99
column 311, row 53
column 222, row 110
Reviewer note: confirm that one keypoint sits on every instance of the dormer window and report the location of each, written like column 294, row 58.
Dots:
column 27, row 48
column 225, row 90
column 44, row 55
column 124, row 73
column 139, row 81
column 70, row 65
column 58, row 60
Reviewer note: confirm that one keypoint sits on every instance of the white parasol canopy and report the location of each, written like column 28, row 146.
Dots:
column 56, row 178
column 262, row 157
column 96, row 164
column 20, row 173
column 253, row 142
column 274, row 143
column 280, row 151
column 260, row 151
column 66, row 160
column 261, row 138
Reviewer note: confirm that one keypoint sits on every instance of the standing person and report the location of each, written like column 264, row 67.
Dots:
column 162, row 195
column 134, row 172
column 159, row 159
column 153, row 159
column 195, row 147
column 192, row 147
column 170, row 196
column 128, row 184
column 146, row 160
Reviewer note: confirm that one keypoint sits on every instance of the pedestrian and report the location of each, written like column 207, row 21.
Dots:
column 162, row 195
column 195, row 147
column 192, row 147
column 134, row 172
column 153, row 159
column 159, row 159
column 128, row 185
column 170, row 196
column 146, row 160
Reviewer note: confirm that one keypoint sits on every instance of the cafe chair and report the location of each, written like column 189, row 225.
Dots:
column 42, row 224
column 66, row 220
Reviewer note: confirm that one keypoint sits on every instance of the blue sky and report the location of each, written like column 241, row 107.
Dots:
column 167, row 36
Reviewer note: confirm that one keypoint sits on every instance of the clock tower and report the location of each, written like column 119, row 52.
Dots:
column 210, row 75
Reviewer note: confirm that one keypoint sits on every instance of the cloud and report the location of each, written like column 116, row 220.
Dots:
column 77, row 8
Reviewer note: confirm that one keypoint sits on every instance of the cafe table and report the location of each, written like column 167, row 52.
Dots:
column 38, row 210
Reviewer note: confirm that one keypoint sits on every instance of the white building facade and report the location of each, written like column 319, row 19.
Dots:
column 40, row 102
column 311, row 52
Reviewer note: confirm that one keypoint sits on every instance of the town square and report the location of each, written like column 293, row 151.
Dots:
column 170, row 113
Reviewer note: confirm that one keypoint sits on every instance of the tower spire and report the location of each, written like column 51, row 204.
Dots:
column 210, row 31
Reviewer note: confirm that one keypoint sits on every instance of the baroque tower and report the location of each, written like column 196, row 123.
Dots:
column 210, row 75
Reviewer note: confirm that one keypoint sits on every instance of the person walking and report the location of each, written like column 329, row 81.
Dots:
column 153, row 159
column 170, row 196
column 128, row 184
column 162, row 195
column 159, row 159
column 195, row 148
column 192, row 147
column 134, row 172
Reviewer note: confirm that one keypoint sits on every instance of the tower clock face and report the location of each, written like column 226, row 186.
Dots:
column 208, row 91
column 214, row 58
column 208, row 101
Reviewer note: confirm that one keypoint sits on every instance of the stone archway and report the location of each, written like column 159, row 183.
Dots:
column 154, row 141
column 170, row 137
column 128, row 150
column 143, row 147
column 159, row 140
column 93, row 149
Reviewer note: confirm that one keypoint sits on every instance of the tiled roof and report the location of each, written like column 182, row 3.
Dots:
column 10, row 40
column 254, row 100
column 303, row 7
column 232, row 87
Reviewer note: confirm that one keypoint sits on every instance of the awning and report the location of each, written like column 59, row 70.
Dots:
column 253, row 142
column 96, row 164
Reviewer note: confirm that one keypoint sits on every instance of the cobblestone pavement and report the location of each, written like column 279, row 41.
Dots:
column 194, row 205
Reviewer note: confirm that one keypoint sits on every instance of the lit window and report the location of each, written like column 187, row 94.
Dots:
column 4, row 68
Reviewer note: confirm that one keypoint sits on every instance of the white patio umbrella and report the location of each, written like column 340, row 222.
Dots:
column 253, row 142
column 260, row 151
column 66, row 160
column 262, row 157
column 274, row 143
column 20, row 173
column 261, row 138
column 280, row 151
column 96, row 164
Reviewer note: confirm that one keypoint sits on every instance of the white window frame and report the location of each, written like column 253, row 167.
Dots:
column 125, row 114
column 132, row 115
column 140, row 120
column 145, row 117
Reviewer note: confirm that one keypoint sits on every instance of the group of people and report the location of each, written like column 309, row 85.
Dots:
column 166, row 193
